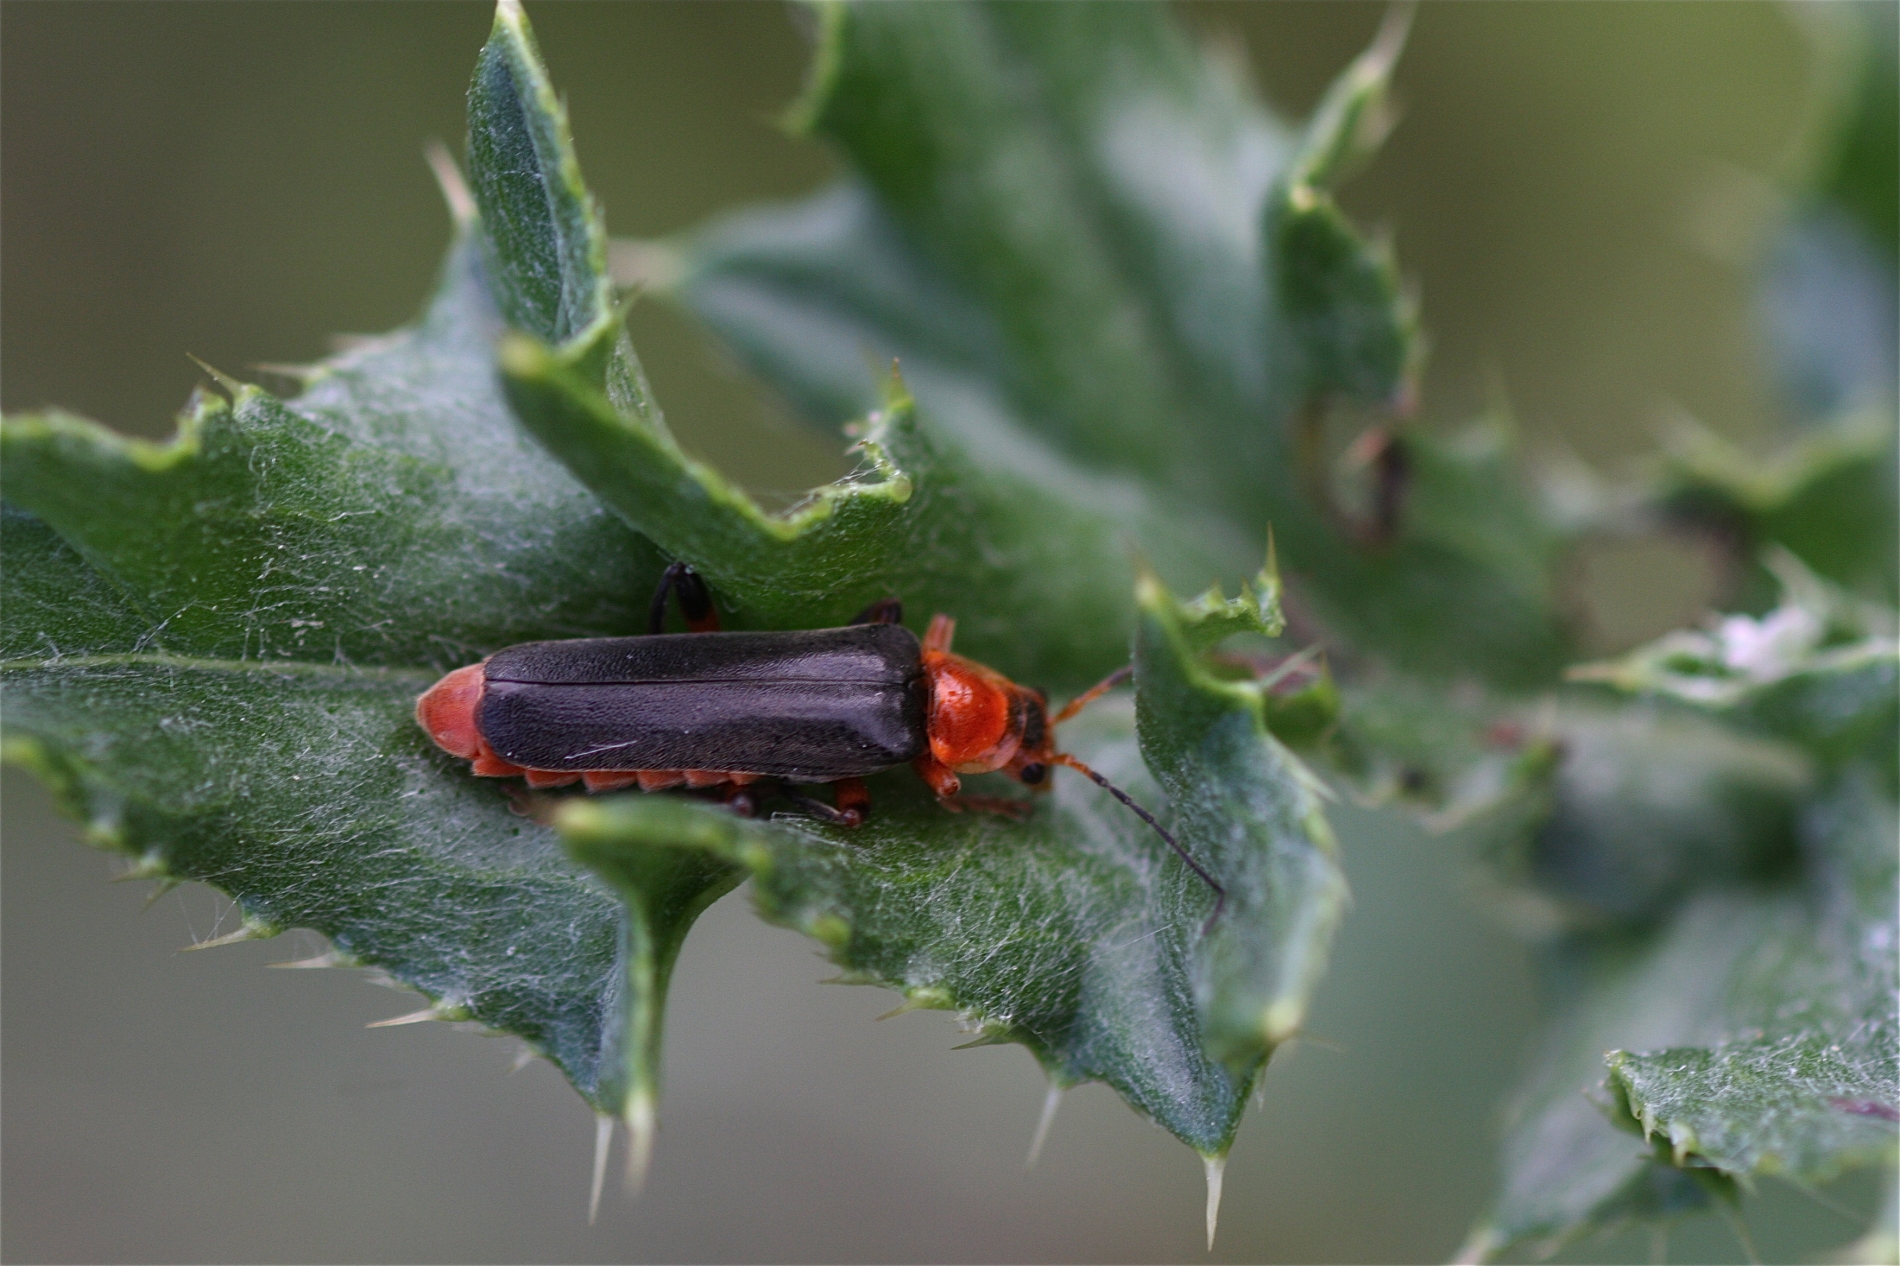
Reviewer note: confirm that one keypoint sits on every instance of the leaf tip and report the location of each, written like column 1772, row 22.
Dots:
column 227, row 384
column 1150, row 594
column 581, row 819
column 522, row 356
column 642, row 1122
column 1389, row 41
column 1478, row 1247
column 149, row 865
column 1050, row 1102
column 830, row 929
column 448, row 179
column 806, row 112
column 1216, row 1177
column 329, row 958
column 603, row 1143
column 1281, row 1021
column 249, row 930
column 444, row 1010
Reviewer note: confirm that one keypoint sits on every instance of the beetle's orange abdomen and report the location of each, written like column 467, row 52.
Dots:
column 970, row 714
column 447, row 711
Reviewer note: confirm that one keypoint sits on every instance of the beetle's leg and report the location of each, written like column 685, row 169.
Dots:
column 741, row 798
column 824, row 812
column 1002, row 806
column 1093, row 693
column 938, row 777
column 942, row 629
column 853, row 799
column 883, row 611
column 695, row 603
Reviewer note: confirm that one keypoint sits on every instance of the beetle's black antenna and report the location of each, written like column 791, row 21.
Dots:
column 1220, row 893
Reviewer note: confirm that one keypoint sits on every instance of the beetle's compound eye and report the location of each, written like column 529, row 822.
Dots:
column 1033, row 774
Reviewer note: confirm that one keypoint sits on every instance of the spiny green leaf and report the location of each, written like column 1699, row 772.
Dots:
column 392, row 514
column 305, row 791
column 1251, row 812
column 210, row 730
column 664, row 891
column 1565, row 1170
column 1081, row 237
column 1755, row 1034
column 1076, row 933
column 546, row 248
column 215, row 661
column 1756, row 1030
column 75, row 611
column 1032, row 571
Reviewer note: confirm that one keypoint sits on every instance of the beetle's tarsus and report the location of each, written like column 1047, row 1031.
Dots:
column 696, row 603
column 824, row 812
column 883, row 611
column 743, row 801
column 1011, row 807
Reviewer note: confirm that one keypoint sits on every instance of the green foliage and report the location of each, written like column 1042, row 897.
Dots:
column 1092, row 252
column 1076, row 933
column 276, row 585
column 1139, row 342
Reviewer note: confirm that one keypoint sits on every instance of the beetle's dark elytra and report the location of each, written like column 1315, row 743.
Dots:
column 810, row 706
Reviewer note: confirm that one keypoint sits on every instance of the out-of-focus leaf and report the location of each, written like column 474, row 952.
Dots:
column 1566, row 1170
column 1076, row 933
column 1806, row 1079
column 1820, row 669
column 1577, row 815
column 1860, row 168
column 1831, row 315
column 1755, row 1034
column 1756, row 1029
column 1087, row 244
column 1829, row 497
column 1641, row 806
column 1829, row 293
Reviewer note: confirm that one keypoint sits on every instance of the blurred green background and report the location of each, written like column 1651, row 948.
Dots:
column 1572, row 189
